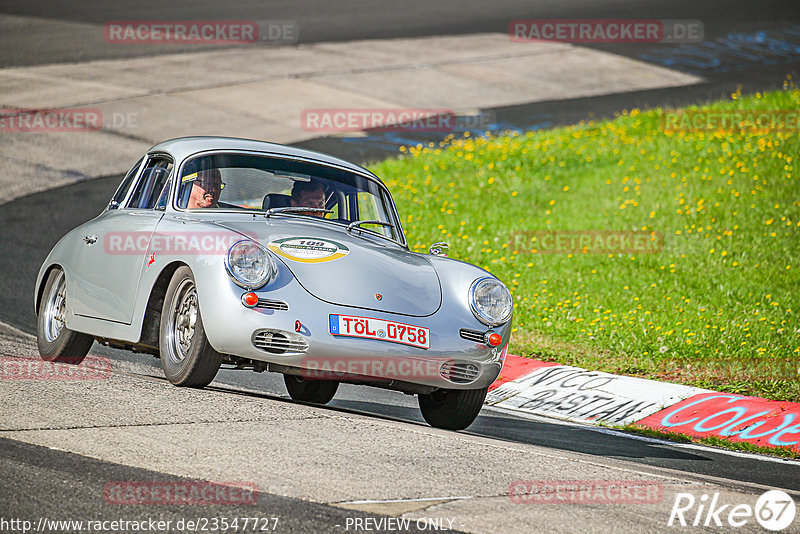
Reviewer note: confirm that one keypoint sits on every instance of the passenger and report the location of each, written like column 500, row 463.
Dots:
column 309, row 194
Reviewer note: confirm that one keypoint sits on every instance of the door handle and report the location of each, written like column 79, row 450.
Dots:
column 90, row 239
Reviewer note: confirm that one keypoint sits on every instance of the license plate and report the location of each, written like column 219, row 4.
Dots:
column 370, row 328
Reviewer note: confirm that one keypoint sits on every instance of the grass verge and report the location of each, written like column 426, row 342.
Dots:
column 702, row 287
column 713, row 441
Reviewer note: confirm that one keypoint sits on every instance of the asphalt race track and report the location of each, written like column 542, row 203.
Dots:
column 44, row 473
column 57, row 472
column 353, row 20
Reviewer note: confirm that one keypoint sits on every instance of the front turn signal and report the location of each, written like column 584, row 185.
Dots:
column 493, row 339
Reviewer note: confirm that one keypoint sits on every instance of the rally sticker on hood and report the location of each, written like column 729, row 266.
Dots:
column 308, row 249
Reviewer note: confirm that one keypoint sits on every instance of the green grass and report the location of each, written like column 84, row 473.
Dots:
column 713, row 441
column 717, row 306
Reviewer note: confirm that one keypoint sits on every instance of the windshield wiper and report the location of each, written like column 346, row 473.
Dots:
column 356, row 224
column 295, row 209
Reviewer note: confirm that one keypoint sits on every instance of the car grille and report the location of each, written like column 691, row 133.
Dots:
column 272, row 304
column 278, row 342
column 472, row 335
column 459, row 372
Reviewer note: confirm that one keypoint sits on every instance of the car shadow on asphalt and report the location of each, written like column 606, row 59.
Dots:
column 508, row 428
column 574, row 438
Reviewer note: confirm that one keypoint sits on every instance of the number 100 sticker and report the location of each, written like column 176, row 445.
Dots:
column 308, row 249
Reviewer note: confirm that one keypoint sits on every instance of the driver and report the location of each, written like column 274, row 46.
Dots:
column 206, row 189
column 309, row 194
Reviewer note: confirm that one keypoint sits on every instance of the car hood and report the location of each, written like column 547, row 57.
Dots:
column 349, row 270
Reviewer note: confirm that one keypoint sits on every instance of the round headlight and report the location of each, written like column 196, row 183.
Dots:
column 490, row 301
column 249, row 265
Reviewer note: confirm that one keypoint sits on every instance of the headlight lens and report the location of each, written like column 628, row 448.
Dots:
column 249, row 265
column 490, row 301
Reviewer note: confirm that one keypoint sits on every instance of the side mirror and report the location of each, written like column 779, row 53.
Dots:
column 440, row 249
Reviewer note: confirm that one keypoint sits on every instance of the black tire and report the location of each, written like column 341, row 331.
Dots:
column 186, row 356
column 452, row 409
column 316, row 391
column 56, row 342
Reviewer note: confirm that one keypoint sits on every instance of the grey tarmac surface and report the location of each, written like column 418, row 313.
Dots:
column 48, row 31
column 32, row 475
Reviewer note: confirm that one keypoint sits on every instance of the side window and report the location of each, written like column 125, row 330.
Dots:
column 368, row 209
column 122, row 191
column 151, row 183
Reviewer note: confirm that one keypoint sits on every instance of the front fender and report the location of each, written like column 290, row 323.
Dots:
column 457, row 277
column 214, row 286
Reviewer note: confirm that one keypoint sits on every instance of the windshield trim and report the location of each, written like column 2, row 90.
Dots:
column 252, row 211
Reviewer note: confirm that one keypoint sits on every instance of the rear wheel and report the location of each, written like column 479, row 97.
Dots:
column 56, row 342
column 452, row 409
column 186, row 355
column 316, row 391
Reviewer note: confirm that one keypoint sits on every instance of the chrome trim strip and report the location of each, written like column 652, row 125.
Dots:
column 472, row 335
column 272, row 304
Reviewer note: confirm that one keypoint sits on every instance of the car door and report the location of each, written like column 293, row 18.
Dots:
column 115, row 245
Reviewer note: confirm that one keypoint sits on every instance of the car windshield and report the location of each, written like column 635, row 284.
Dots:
column 260, row 183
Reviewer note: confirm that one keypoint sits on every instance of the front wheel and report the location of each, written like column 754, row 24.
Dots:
column 188, row 359
column 316, row 391
column 452, row 409
column 56, row 342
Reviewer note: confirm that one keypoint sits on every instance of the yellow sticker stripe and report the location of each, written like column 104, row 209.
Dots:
column 277, row 250
column 189, row 177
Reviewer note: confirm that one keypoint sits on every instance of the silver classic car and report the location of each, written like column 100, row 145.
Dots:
column 220, row 251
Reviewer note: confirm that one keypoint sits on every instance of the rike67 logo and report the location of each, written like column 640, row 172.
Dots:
column 774, row 510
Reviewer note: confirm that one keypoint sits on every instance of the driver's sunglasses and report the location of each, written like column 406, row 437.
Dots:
column 211, row 186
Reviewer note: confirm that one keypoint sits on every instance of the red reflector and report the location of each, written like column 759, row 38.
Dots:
column 494, row 339
column 250, row 299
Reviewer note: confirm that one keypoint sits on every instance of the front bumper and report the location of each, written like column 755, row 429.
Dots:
column 299, row 337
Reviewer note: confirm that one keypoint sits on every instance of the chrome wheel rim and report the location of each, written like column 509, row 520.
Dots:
column 182, row 322
column 55, row 309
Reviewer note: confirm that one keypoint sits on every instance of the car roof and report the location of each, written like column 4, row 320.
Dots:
column 183, row 147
